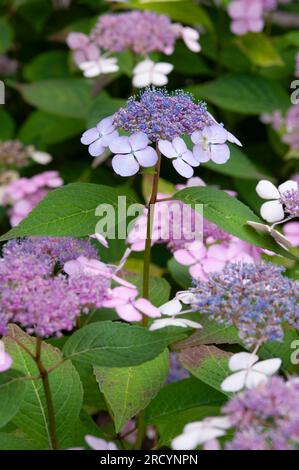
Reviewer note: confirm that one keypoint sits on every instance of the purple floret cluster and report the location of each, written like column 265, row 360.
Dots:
column 256, row 298
column 37, row 294
column 266, row 417
column 161, row 115
column 142, row 32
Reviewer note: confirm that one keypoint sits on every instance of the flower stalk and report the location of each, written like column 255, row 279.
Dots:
column 49, row 401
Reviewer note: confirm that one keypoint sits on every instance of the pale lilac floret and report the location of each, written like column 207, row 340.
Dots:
column 266, row 417
column 203, row 260
column 182, row 158
column 24, row 194
column 131, row 153
column 247, row 16
column 99, row 137
column 210, row 144
column 256, row 298
column 37, row 295
column 140, row 31
column 84, row 49
column 5, row 359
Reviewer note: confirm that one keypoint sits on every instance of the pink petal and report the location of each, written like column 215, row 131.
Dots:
column 197, row 272
column 255, row 25
column 125, row 165
column 239, row 27
column 183, row 168
column 5, row 361
column 145, row 307
column 77, row 40
column 128, row 313
column 184, row 257
column 147, row 157
column 120, row 145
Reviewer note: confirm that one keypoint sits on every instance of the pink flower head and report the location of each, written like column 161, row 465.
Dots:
column 210, row 144
column 182, row 159
column 246, row 15
column 123, row 299
column 24, row 194
column 84, row 49
column 204, row 260
column 99, row 137
column 131, row 153
column 291, row 231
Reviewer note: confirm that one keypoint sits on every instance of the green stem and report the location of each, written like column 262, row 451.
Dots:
column 141, row 428
column 45, row 380
column 141, row 431
column 150, row 217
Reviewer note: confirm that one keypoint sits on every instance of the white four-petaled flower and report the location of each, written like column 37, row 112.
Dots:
column 131, row 153
column 171, row 309
column 210, row 144
column 148, row 73
column 182, row 158
column 99, row 137
column 272, row 210
column 199, row 432
column 278, row 237
column 102, row 65
column 191, row 37
column 248, row 371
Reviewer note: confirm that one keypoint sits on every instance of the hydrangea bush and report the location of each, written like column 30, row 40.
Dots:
column 149, row 206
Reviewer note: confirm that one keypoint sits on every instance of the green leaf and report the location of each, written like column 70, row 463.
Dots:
column 293, row 38
column 64, row 383
column 282, row 349
column 6, row 35
column 129, row 390
column 211, row 333
column 230, row 214
column 182, row 11
column 13, row 442
column 180, row 273
column 42, row 128
column 171, row 426
column 207, row 363
column 180, row 396
column 7, row 125
column 245, row 94
column 114, row 344
column 259, row 49
column 159, row 289
column 68, row 211
column 12, row 389
column 238, row 166
column 102, row 106
column 51, row 64
column 69, row 97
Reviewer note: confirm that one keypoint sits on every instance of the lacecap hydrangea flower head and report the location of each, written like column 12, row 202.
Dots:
column 256, row 298
column 141, row 32
column 163, row 119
